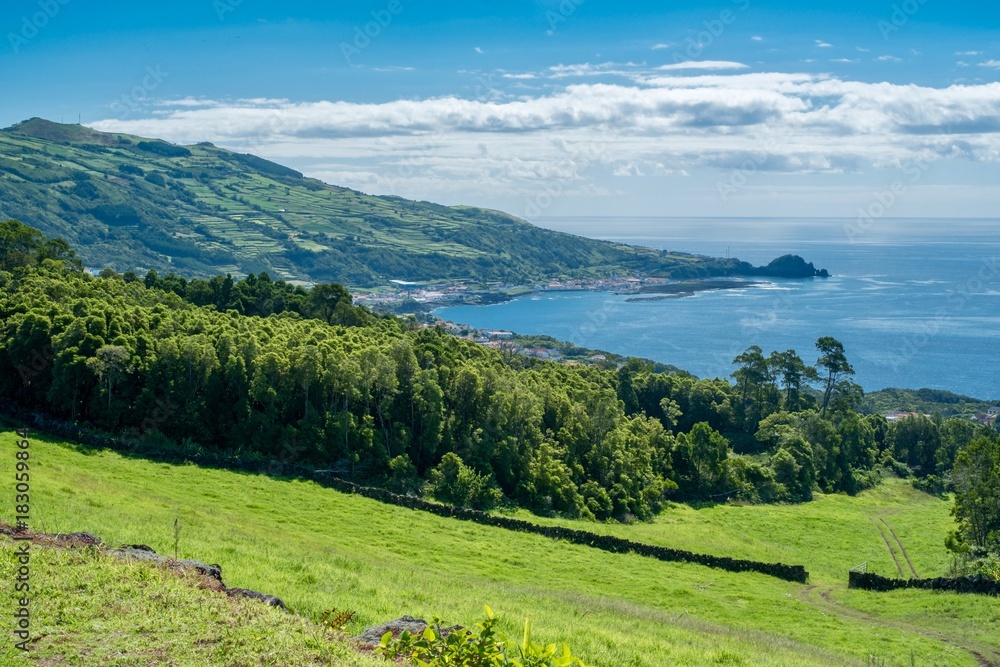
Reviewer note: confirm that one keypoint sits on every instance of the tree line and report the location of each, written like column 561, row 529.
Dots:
column 257, row 367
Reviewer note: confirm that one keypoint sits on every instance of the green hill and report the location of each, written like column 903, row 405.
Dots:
column 316, row 549
column 927, row 401
column 132, row 203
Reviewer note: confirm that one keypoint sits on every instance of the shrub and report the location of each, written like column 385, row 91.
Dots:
column 931, row 484
column 156, row 178
column 403, row 477
column 484, row 647
column 131, row 169
column 163, row 148
column 455, row 483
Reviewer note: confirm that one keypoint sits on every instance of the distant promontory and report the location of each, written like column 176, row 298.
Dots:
column 790, row 266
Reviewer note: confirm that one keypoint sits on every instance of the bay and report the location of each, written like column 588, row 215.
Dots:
column 915, row 302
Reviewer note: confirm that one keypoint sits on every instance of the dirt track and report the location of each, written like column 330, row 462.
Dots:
column 821, row 598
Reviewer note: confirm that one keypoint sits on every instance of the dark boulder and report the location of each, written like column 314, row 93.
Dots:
column 144, row 553
column 373, row 636
column 79, row 539
column 256, row 595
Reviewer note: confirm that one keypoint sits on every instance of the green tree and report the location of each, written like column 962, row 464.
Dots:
column 19, row 245
column 110, row 364
column 793, row 373
column 455, row 483
column 323, row 301
column 800, row 478
column 704, row 452
column 976, row 478
column 832, row 364
column 753, row 378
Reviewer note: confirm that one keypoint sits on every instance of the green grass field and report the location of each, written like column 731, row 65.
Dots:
column 98, row 610
column 316, row 549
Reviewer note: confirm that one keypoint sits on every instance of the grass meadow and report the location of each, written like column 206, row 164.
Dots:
column 317, row 549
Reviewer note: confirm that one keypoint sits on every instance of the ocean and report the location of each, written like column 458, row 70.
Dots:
column 916, row 303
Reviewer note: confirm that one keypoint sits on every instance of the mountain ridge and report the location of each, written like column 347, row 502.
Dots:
column 135, row 203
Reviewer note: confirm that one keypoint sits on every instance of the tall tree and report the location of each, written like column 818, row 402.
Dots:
column 833, row 364
column 110, row 364
column 793, row 373
column 977, row 492
column 752, row 378
column 323, row 301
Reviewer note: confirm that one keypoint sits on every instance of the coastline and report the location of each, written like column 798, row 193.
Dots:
column 690, row 288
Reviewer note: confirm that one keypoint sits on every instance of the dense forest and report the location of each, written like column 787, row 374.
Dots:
column 260, row 368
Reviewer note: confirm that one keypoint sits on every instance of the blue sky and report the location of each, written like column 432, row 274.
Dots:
column 549, row 108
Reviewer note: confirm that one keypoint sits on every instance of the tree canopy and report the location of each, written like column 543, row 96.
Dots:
column 263, row 369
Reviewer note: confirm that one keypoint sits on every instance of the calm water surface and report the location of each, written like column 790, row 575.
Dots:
column 916, row 303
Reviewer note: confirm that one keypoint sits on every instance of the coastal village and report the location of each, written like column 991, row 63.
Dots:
column 429, row 295
column 507, row 342
column 988, row 418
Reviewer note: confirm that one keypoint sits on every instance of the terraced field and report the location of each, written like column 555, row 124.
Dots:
column 133, row 204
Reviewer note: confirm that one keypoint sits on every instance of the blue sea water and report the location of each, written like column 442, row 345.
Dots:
column 915, row 302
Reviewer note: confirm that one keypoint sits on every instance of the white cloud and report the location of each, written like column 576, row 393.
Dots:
column 586, row 69
column 889, row 59
column 995, row 64
column 968, row 53
column 660, row 122
column 757, row 38
column 661, row 46
column 845, row 60
column 627, row 169
column 479, row 50
column 823, row 45
column 187, row 102
column 703, row 64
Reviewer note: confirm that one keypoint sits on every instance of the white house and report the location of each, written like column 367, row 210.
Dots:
column 995, row 410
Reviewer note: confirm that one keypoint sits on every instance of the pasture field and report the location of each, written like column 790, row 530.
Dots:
column 317, row 549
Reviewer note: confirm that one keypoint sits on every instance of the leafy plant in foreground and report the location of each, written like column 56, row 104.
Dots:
column 337, row 620
column 485, row 647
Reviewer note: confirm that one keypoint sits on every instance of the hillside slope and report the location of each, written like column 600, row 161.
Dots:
column 91, row 608
column 317, row 548
column 134, row 204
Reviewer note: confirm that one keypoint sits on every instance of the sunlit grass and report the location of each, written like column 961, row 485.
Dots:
column 317, row 548
column 94, row 609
